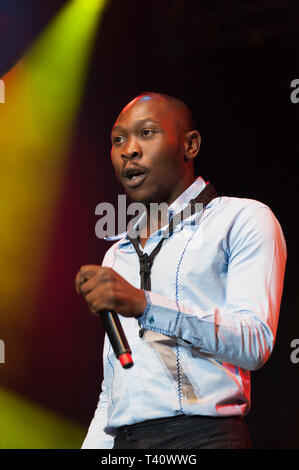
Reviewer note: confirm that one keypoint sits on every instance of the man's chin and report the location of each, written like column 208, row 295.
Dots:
column 140, row 199
column 139, row 196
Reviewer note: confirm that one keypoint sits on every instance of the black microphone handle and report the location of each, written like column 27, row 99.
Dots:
column 117, row 337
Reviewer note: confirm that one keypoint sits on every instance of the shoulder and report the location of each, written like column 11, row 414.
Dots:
column 110, row 254
column 237, row 204
column 241, row 209
column 250, row 219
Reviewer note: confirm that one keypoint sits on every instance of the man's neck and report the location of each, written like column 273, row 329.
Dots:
column 157, row 214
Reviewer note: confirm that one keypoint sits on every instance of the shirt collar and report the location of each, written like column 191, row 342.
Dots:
column 190, row 193
column 178, row 205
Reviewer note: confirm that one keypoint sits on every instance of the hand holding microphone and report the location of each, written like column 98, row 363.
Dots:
column 106, row 292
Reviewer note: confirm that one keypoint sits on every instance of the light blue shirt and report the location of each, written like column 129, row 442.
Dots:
column 211, row 316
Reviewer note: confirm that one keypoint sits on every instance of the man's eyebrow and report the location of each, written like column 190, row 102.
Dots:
column 138, row 123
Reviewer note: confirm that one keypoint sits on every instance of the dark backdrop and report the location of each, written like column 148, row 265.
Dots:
column 233, row 63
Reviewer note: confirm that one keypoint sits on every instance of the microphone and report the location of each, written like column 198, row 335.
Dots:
column 117, row 338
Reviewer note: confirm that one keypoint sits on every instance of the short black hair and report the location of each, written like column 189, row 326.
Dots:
column 186, row 121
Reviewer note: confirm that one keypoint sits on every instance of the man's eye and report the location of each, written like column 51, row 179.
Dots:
column 118, row 139
column 147, row 132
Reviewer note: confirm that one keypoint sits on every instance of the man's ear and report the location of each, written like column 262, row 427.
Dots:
column 192, row 144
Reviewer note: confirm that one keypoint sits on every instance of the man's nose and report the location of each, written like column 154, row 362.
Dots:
column 131, row 150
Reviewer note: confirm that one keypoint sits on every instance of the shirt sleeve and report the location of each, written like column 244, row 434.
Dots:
column 96, row 437
column 242, row 331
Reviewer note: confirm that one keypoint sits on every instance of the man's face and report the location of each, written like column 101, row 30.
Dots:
column 147, row 151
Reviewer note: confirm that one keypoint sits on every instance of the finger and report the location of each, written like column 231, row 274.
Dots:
column 96, row 300
column 89, row 285
column 78, row 281
column 85, row 273
column 102, row 275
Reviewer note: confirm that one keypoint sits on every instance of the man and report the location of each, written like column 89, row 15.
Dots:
column 209, row 313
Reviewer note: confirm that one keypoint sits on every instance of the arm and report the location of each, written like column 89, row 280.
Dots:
column 242, row 332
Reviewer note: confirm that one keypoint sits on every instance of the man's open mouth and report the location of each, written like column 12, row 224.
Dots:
column 134, row 176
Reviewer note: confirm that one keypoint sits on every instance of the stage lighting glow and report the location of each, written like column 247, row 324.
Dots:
column 90, row 5
column 43, row 93
column 24, row 425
